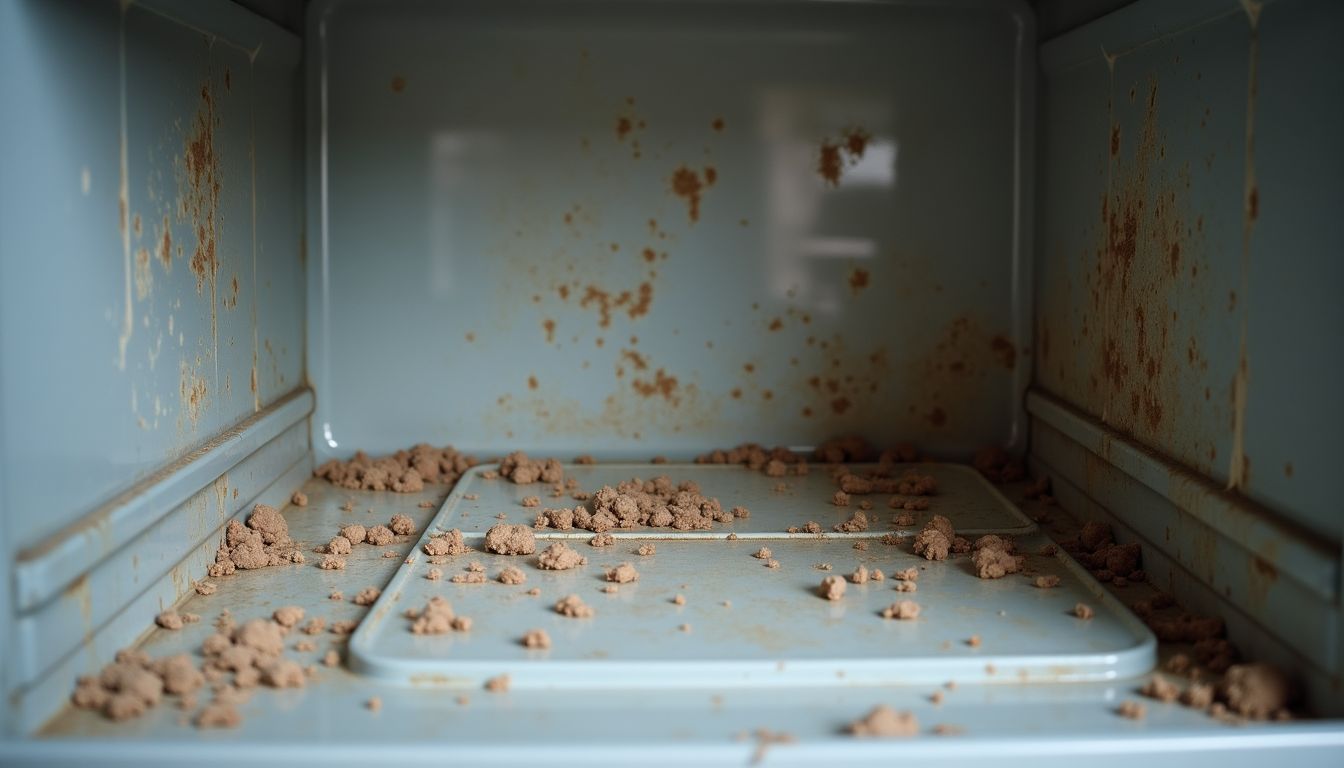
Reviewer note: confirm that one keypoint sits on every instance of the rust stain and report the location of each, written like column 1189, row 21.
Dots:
column 623, row 128
column 776, row 324
column 144, row 275
column 1288, row 469
column 858, row 280
column 470, row 337
column 650, row 255
column 563, row 291
column 638, row 361
column 937, row 416
column 687, row 185
column 856, row 143
column 1265, row 568
column 839, row 405
column 1253, row 203
column 531, row 382
column 228, row 79
column 398, row 83
column 711, row 175
column 767, row 394
column 192, row 392
column 717, row 125
column 1004, row 351
column 662, row 385
column 1115, row 137
column 549, row 325
column 201, row 200
column 829, row 163
column 736, row 393
column 166, row 246
column 136, row 226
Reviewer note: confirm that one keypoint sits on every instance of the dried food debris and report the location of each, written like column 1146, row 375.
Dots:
column 315, row 626
column 1083, row 611
column 379, row 536
column 536, row 639
column 763, row 553
column 447, row 543
column 884, row 722
column 342, row 627
column 504, row 539
column 299, row 499
column 773, row 462
column 991, row 562
column 402, row 472
column 522, row 470
column 857, row 522
column 1132, row 710
column 1186, row 628
column 218, row 714
column 822, row 566
column 205, row 588
column 934, row 542
column 832, row 588
column 1046, row 582
column 1198, row 695
column 908, row 574
column 860, row 575
column 336, row 595
column 264, row 541
column 901, row 609
column 498, row 684
column 402, row 525
column 741, row 513
column 906, row 586
column 288, row 615
column 434, row 574
column 861, row 546
column 354, row 533
column 367, row 596
column 339, row 545
column 997, row 466
column 573, row 607
column 470, row 577
column 1158, row 687
column 531, row 501
column 679, row 600
column 684, row 628
column 811, row 526
column 602, row 540
column 973, row 641
column 332, row 563
column 169, row 620
column 511, row 575
column 646, row 550
column 560, row 557
column 374, row 704
column 844, row 448
column 1213, row 653
column 772, row 563
column 623, row 574
column 909, row 483
column 437, row 618
column 1256, row 691
column 840, row 499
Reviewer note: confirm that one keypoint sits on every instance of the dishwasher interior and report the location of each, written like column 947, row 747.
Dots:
column 604, row 381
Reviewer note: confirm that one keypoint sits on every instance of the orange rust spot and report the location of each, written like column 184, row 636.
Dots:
column 653, row 226
column 767, row 395
column 615, row 247
column 858, row 280
column 549, row 325
column 531, row 382
column 1115, row 140
column 1004, row 350
column 1253, row 203
column 736, row 393
column 166, row 246
column 717, row 124
column 856, row 142
column 563, row 290
column 662, row 385
column 136, row 225
column 398, row 83
column 623, row 128
column 636, row 359
column 650, row 255
column 807, row 412
column 840, row 404
column 569, row 218
column 776, row 324
column 202, row 198
column 1264, row 567
column 711, row 175
column 749, row 367
column 829, row 163
column 470, row 337
column 599, row 341
column 686, row 185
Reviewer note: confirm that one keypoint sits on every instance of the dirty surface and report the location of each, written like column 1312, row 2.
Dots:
column 714, row 714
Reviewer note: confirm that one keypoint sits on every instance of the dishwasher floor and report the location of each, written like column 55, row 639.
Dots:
column 726, row 722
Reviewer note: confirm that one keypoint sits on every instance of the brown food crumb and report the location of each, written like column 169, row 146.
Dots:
column 498, row 684
column 531, row 501
column 1046, row 582
column 906, row 586
column 437, row 618
column 602, row 540
column 470, row 577
column 1132, row 710
column 1257, row 691
column 169, row 620
column 772, row 563
column 860, row 575
column 367, row 596
column 374, row 704
column 623, row 574
column 218, row 715
column 536, row 639
column 331, row 658
column 857, row 522
column 973, row 641
column 339, row 545
column 936, row 698
column 205, row 587
column 288, row 616
column 511, row 575
column 840, row 499
column 684, row 628
column 342, row 627
column 504, row 539
column 354, row 533
column 434, row 574
column 473, row 496
column 763, row 553
column 299, row 499
column 1083, row 611
column 573, row 607
column 426, row 504
column 379, row 536
column 1160, row 688
column 332, row 563
column 402, row 525
column 560, row 557
column 337, row 595
column 449, row 543
column 902, row 609
column 884, row 722
column 832, row 588
column 1198, row 695
column 679, row 600
column 646, row 550
column 315, row 626
column 822, row 566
